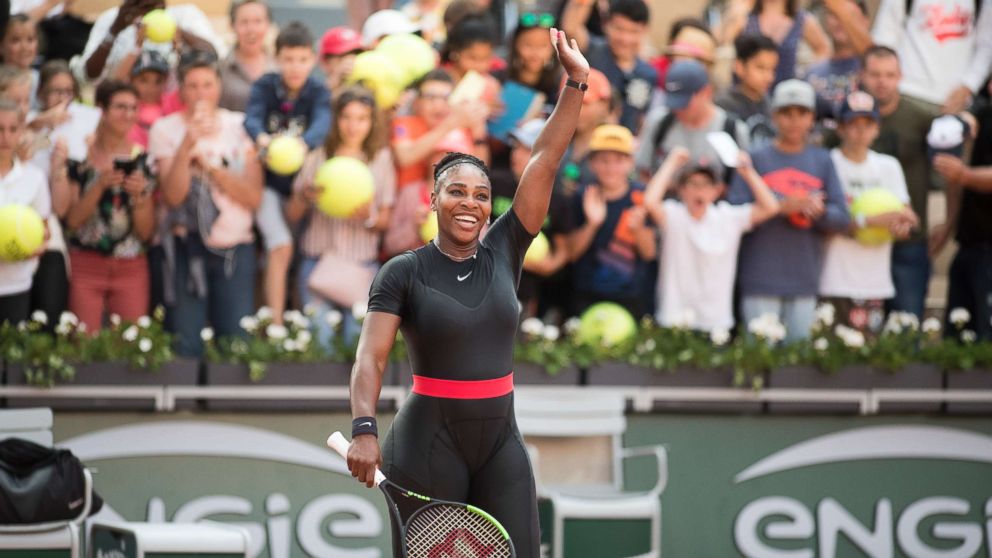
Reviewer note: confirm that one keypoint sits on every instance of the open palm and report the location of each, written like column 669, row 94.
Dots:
column 575, row 64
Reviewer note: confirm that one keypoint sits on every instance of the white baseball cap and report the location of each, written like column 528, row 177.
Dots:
column 386, row 22
column 794, row 93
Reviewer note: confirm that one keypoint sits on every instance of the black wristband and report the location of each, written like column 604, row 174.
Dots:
column 364, row 425
column 580, row 86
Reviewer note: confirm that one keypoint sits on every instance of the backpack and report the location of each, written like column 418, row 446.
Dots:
column 40, row 484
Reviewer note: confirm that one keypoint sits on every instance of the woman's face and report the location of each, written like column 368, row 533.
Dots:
column 251, row 25
column 533, row 49
column 59, row 89
column 20, row 45
column 121, row 113
column 477, row 56
column 463, row 203
column 20, row 93
column 201, row 86
column 355, row 122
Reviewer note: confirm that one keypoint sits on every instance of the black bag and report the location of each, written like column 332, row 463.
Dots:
column 40, row 484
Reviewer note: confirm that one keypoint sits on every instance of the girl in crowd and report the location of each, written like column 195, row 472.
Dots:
column 337, row 251
column 786, row 23
column 531, row 60
column 111, row 216
column 19, row 47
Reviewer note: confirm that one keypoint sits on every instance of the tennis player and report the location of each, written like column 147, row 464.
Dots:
column 455, row 300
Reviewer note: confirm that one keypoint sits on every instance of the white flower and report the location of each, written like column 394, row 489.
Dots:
column 825, row 314
column 310, row 309
column 296, row 318
column 207, row 334
column 685, row 319
column 81, row 328
column 931, row 325
column 767, row 326
column 650, row 345
column 276, row 331
column 720, row 336
column 39, row 316
column 61, row 329
column 532, row 326
column 303, row 337
column 821, row 344
column 359, row 309
column 68, row 318
column 115, row 320
column 908, row 319
column 264, row 313
column 144, row 322
column 249, row 324
column 892, row 325
column 23, row 326
column 145, row 344
column 333, row 318
column 572, row 325
column 960, row 316
column 289, row 345
column 968, row 336
column 130, row 334
column 551, row 333
column 851, row 337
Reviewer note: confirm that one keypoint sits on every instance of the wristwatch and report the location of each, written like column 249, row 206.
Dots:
column 580, row 86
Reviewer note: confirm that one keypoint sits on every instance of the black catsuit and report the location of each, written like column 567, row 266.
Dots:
column 459, row 320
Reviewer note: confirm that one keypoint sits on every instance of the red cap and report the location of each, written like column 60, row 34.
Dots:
column 340, row 40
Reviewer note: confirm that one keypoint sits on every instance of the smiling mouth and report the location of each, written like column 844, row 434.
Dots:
column 467, row 220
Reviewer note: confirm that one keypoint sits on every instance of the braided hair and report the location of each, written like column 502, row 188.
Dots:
column 451, row 160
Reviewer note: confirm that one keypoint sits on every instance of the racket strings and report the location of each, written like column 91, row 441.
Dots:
column 443, row 531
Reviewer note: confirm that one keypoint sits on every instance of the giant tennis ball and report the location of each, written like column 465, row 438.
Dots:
column 412, row 55
column 539, row 249
column 380, row 74
column 348, row 185
column 429, row 229
column 160, row 27
column 605, row 323
column 22, row 232
column 285, row 155
column 870, row 203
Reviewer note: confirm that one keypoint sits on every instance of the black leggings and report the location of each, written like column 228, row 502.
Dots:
column 466, row 450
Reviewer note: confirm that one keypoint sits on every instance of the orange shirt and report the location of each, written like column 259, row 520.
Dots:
column 409, row 128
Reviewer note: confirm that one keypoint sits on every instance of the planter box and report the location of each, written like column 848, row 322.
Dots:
column 531, row 374
column 970, row 380
column 862, row 378
column 622, row 374
column 300, row 375
column 180, row 371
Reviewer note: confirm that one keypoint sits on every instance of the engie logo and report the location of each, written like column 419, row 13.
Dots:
column 922, row 526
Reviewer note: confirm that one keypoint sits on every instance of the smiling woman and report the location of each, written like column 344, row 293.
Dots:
column 455, row 301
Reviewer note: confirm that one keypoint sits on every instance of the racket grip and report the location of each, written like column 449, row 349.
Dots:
column 339, row 443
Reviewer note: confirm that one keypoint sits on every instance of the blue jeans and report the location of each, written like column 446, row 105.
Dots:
column 911, row 277
column 797, row 313
column 971, row 288
column 230, row 295
column 350, row 327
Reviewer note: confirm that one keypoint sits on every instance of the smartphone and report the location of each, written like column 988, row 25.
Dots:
column 128, row 165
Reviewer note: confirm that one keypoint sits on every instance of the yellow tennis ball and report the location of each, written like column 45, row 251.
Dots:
column 412, row 55
column 539, row 249
column 160, row 27
column 870, row 203
column 381, row 75
column 606, row 324
column 285, row 155
column 22, row 232
column 348, row 185
column 429, row 229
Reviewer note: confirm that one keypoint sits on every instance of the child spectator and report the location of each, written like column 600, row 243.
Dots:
column 293, row 102
column 700, row 237
column 780, row 261
column 787, row 24
column 747, row 99
column 837, row 76
column 148, row 77
column 618, row 55
column 344, row 250
column 338, row 48
column 856, row 277
column 531, row 59
column 20, row 184
column 611, row 243
column 19, row 48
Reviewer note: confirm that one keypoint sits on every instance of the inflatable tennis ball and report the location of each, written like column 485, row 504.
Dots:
column 380, row 74
column 429, row 229
column 347, row 184
column 412, row 55
column 605, row 323
column 870, row 203
column 22, row 232
column 539, row 249
column 160, row 27
column 285, row 155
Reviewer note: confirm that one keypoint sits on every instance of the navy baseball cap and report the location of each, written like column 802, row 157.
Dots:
column 857, row 104
column 685, row 78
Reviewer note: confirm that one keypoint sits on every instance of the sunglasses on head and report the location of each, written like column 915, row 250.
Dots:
column 530, row 19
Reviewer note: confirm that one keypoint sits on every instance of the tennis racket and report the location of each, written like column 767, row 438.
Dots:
column 436, row 528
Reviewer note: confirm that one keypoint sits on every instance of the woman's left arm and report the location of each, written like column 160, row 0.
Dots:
column 534, row 192
column 816, row 38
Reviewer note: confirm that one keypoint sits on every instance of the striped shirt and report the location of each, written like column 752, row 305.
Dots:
column 347, row 238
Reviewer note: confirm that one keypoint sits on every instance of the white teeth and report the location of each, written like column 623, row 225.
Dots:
column 470, row 220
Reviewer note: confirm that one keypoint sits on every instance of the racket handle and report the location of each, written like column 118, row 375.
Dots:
column 339, row 443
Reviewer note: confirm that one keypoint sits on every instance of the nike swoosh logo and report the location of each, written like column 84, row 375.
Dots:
column 365, row 424
column 460, row 278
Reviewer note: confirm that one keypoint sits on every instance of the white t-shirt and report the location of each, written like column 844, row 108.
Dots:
column 23, row 185
column 852, row 269
column 699, row 264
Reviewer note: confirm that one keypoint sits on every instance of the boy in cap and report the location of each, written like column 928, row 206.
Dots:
column 700, row 238
column 611, row 242
column 856, row 277
column 148, row 76
column 338, row 48
column 780, row 261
